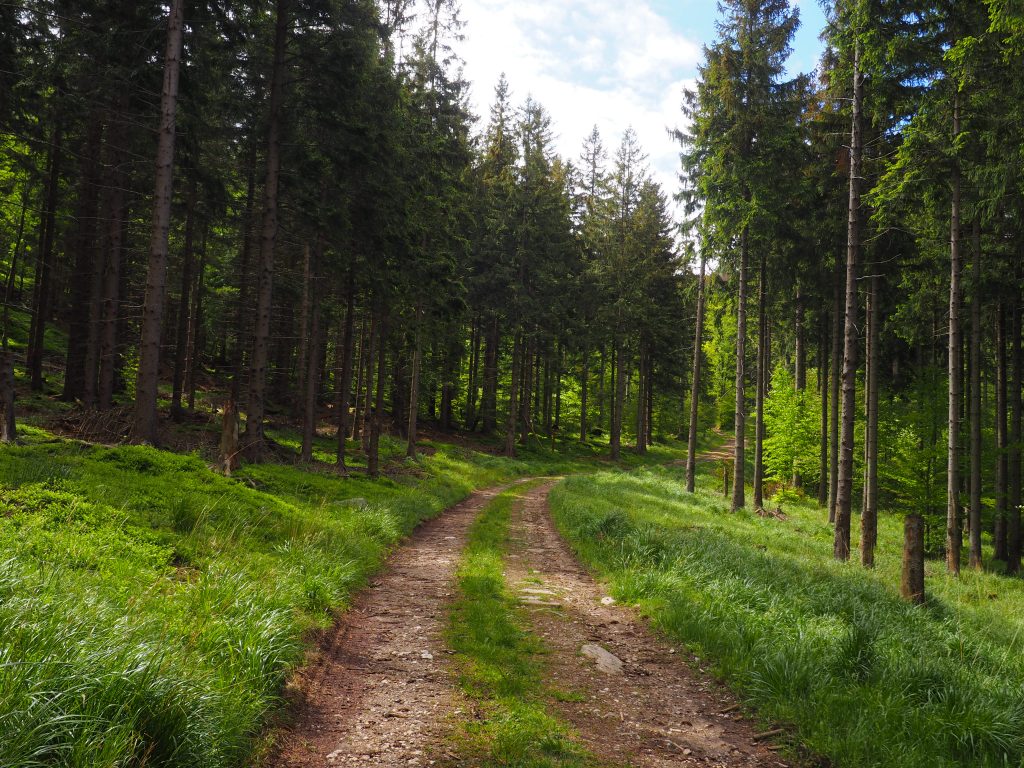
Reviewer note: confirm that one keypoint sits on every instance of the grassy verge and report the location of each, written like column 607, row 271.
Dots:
column 498, row 663
column 825, row 647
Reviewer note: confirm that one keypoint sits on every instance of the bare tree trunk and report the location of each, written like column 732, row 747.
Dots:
column 44, row 260
column 912, row 582
column 244, row 279
column 489, row 403
column 357, row 402
column 801, row 345
column 1002, row 441
column 473, row 379
column 762, row 376
column 740, row 423
column 344, row 383
column 414, row 390
column 844, row 493
column 144, row 428
column 618, row 396
column 254, row 436
column 110, row 286
column 1013, row 531
column 869, row 517
column 184, row 306
column 13, row 271
column 643, row 376
column 600, row 392
column 377, row 417
column 836, row 377
column 311, row 378
column 953, row 532
column 698, row 361
column 975, row 406
column 584, row 387
column 823, row 386
column 513, row 396
column 8, row 429
column 195, row 329
column 373, row 349
column 305, row 347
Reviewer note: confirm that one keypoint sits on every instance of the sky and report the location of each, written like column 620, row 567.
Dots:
column 613, row 63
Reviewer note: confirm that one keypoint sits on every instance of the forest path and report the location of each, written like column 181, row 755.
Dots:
column 381, row 691
column 635, row 701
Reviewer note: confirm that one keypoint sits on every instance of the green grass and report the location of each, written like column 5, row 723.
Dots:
column 499, row 660
column 826, row 648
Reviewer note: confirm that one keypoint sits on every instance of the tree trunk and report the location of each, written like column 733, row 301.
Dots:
column 698, row 361
column 869, row 517
column 953, row 532
column 414, row 391
column 377, row 417
column 1002, row 441
column 912, row 581
column 358, row 399
column 513, row 396
column 844, row 491
column 244, row 280
column 600, row 391
column 195, row 329
column 144, row 428
column 373, row 349
column 472, row 385
column 835, row 380
column 618, row 396
column 975, row 406
column 311, row 379
column 584, row 386
column 8, row 430
column 740, row 424
column 344, row 382
column 762, row 376
column 801, row 345
column 44, row 259
column 489, row 403
column 13, row 271
column 641, row 401
column 110, row 286
column 305, row 347
column 1013, row 531
column 823, row 386
column 184, row 306
column 254, row 436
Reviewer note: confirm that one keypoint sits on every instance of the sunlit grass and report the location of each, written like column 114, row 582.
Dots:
column 827, row 648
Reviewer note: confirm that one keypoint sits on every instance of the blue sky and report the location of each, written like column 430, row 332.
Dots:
column 613, row 63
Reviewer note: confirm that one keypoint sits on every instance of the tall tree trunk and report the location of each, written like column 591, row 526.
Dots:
column 254, row 437
column 801, row 345
column 912, row 582
column 13, row 270
column 1013, row 531
column 835, row 381
column 762, row 377
column 414, row 390
column 184, row 305
column 869, row 517
column 44, row 260
column 641, row 401
column 305, row 347
column 344, row 381
column 844, row 492
column 473, row 384
column 739, row 456
column 244, row 280
column 377, row 417
column 618, row 395
column 953, row 532
column 584, row 387
column 975, row 512
column 144, row 428
column 600, row 391
column 823, row 386
column 311, row 378
column 195, row 329
column 698, row 361
column 8, row 429
column 372, row 344
column 489, row 402
column 513, row 395
column 110, row 284
column 1002, row 441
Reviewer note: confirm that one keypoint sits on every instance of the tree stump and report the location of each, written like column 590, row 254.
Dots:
column 912, row 583
column 8, row 430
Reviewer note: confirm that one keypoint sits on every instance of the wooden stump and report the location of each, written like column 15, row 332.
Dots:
column 8, row 431
column 912, row 583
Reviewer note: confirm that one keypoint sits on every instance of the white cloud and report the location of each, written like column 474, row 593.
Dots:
column 600, row 62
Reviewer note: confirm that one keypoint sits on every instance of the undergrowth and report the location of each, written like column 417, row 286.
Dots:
column 827, row 648
column 498, row 660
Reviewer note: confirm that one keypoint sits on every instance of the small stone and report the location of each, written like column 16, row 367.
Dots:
column 606, row 662
column 607, row 600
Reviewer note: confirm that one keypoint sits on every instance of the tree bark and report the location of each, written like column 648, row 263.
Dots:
column 144, row 428
column 304, row 347
column 473, row 386
column 641, row 401
column 912, row 581
column 513, row 396
column 618, row 397
column 311, row 378
column 740, row 418
column 414, row 391
column 489, row 402
column 8, row 429
column 195, row 329
column 762, row 377
column 974, row 516
column 244, row 279
column 869, row 517
column 801, row 345
column 844, row 492
column 698, row 361
column 13, row 271
column 1013, row 531
column 111, row 279
column 254, row 436
column 184, row 306
column 44, row 260
column 1002, row 441
column 373, row 348
column 344, row 383
column 953, row 532
column 377, row 417
column 836, row 369
column 823, row 386
column 584, row 387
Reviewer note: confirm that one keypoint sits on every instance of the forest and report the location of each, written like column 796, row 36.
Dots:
column 273, row 296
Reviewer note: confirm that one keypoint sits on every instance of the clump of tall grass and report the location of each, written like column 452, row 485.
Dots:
column 827, row 648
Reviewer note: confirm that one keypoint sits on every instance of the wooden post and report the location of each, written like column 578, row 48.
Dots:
column 912, row 583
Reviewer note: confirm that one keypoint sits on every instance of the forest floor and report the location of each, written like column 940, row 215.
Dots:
column 388, row 688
